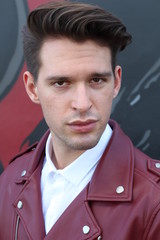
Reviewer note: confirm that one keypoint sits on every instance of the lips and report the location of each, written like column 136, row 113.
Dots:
column 83, row 126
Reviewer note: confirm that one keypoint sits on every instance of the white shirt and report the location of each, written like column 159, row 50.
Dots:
column 60, row 187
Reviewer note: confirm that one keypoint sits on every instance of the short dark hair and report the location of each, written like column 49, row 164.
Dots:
column 76, row 21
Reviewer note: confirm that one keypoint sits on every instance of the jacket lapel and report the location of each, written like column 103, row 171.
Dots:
column 112, row 181
column 28, row 207
column 77, row 222
column 113, row 178
column 28, row 202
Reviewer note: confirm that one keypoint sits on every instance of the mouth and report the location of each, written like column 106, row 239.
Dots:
column 83, row 126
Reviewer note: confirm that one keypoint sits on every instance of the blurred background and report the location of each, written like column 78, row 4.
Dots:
column 137, row 106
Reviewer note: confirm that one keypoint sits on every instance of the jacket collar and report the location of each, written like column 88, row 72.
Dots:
column 113, row 174
column 113, row 178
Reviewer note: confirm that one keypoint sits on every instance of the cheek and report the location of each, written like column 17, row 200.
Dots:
column 104, row 105
column 53, row 109
column 104, row 101
column 47, row 105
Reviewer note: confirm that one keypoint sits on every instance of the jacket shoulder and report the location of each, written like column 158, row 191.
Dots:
column 24, row 153
column 19, row 164
column 27, row 160
column 147, row 165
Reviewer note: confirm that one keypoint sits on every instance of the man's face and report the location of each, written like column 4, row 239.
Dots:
column 75, row 88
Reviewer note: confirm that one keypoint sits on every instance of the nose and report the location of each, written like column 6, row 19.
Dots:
column 81, row 99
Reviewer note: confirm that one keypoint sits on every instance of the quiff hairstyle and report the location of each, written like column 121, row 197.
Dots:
column 76, row 21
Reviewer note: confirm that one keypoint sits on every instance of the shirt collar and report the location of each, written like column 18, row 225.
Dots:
column 77, row 170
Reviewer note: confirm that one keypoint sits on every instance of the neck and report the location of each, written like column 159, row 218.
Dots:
column 63, row 158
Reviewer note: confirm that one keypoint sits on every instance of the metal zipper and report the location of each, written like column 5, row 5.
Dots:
column 17, row 224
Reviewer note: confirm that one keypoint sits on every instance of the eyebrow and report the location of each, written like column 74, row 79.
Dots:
column 57, row 78
column 91, row 75
column 101, row 74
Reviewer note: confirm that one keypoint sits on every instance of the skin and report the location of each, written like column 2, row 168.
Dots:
column 75, row 88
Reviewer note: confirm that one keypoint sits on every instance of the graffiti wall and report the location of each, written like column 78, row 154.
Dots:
column 137, row 106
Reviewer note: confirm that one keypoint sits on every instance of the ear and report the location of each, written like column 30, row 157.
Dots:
column 117, row 81
column 30, row 87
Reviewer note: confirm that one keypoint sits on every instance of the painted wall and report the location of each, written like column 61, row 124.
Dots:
column 137, row 106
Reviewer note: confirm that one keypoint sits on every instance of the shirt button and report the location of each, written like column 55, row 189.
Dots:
column 120, row 189
column 23, row 173
column 19, row 204
column 86, row 229
column 157, row 165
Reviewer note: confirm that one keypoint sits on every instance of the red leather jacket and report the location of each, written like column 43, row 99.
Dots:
column 122, row 201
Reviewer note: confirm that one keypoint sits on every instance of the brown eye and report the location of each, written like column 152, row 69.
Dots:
column 60, row 83
column 97, row 80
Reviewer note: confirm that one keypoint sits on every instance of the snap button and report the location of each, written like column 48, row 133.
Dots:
column 19, row 204
column 157, row 165
column 86, row 229
column 120, row 189
column 23, row 173
column 99, row 238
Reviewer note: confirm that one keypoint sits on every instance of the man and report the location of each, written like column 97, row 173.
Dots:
column 84, row 179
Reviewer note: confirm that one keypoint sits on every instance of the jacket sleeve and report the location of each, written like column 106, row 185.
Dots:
column 153, row 229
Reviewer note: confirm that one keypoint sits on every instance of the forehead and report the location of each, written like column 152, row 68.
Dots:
column 64, row 53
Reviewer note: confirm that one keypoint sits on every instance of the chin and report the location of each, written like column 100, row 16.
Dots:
column 83, row 146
